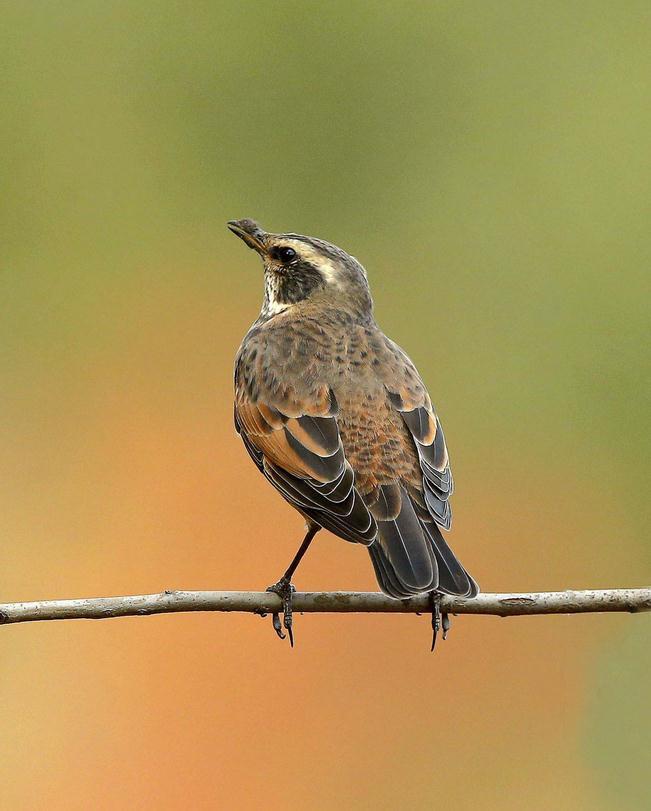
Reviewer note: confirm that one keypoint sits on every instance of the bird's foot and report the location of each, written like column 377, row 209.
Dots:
column 440, row 619
column 284, row 589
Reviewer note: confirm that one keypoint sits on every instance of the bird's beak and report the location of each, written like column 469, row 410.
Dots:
column 250, row 232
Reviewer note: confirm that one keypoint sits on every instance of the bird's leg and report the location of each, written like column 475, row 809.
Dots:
column 284, row 589
column 436, row 617
column 440, row 619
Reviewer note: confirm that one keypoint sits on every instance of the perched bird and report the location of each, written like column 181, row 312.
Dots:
column 337, row 418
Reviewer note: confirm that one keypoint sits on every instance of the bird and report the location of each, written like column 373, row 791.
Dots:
column 337, row 418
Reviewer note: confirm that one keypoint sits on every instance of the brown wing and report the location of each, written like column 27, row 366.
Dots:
column 410, row 399
column 296, row 444
column 425, row 429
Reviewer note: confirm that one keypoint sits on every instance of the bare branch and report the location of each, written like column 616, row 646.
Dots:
column 502, row 605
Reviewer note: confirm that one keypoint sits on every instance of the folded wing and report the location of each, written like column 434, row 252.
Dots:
column 297, row 447
column 431, row 500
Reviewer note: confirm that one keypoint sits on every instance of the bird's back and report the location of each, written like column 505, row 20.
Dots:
column 307, row 363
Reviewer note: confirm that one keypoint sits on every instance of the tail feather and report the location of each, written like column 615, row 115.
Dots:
column 385, row 575
column 453, row 578
column 411, row 557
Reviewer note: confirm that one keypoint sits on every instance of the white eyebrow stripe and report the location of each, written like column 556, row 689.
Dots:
column 314, row 257
column 329, row 272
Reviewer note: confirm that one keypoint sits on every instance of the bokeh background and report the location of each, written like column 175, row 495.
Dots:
column 489, row 163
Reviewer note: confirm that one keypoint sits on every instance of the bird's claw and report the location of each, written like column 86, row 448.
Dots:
column 284, row 589
column 445, row 624
column 278, row 628
column 440, row 619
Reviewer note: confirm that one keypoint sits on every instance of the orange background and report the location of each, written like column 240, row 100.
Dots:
column 488, row 163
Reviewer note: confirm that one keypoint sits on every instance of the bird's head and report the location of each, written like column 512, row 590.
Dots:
column 299, row 268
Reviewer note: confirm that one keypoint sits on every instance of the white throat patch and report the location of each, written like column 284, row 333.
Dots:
column 271, row 305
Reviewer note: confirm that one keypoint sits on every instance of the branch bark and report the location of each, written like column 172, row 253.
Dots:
column 260, row 602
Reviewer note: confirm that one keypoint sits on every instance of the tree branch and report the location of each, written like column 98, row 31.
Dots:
column 260, row 602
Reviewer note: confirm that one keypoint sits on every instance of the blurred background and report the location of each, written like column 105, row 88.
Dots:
column 489, row 163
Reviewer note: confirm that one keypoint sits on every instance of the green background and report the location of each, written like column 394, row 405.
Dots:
column 489, row 164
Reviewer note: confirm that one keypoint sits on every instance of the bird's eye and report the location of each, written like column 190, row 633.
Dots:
column 286, row 255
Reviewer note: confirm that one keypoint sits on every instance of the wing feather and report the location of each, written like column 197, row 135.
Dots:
column 300, row 452
column 425, row 429
column 431, row 499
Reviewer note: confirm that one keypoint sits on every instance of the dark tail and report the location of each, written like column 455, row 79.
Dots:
column 410, row 556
